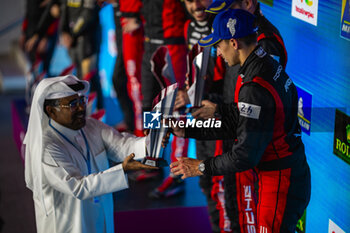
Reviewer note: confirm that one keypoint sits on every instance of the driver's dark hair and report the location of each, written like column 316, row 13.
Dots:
column 249, row 40
column 240, row 2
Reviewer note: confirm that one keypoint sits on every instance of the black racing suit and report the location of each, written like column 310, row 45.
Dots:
column 270, row 39
column 39, row 21
column 80, row 18
column 34, row 12
column 119, row 74
column 263, row 118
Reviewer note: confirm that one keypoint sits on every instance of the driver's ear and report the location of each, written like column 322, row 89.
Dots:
column 234, row 43
column 51, row 111
column 247, row 5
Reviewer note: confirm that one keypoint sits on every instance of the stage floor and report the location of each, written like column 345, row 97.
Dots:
column 185, row 212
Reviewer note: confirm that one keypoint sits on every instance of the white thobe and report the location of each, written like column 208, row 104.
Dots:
column 75, row 200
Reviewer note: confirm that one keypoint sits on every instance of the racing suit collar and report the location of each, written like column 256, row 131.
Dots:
column 252, row 56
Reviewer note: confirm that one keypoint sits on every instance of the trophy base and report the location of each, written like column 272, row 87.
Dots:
column 159, row 162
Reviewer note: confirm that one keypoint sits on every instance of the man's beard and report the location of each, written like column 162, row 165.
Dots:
column 79, row 119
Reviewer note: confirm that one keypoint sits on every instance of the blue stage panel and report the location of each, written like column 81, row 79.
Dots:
column 318, row 60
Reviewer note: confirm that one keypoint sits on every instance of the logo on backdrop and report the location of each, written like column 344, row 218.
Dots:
column 308, row 2
column 304, row 109
column 334, row 228
column 341, row 145
column 301, row 224
column 112, row 45
column 345, row 20
column 305, row 10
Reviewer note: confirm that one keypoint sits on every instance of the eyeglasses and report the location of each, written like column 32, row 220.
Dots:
column 74, row 104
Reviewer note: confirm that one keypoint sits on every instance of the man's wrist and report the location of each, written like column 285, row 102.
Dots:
column 207, row 164
column 201, row 167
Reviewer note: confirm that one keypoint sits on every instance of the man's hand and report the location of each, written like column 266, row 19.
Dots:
column 186, row 166
column 130, row 164
column 206, row 111
column 181, row 99
column 42, row 46
column 146, row 132
column 129, row 25
column 66, row 40
column 176, row 130
column 30, row 44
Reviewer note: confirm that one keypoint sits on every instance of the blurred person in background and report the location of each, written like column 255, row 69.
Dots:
column 127, row 70
column 39, row 34
column 163, row 26
column 38, row 40
column 80, row 33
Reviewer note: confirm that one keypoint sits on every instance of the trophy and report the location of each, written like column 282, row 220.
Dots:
column 163, row 106
column 154, row 155
column 162, row 68
column 198, row 71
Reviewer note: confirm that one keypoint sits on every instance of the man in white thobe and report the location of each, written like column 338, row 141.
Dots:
column 66, row 163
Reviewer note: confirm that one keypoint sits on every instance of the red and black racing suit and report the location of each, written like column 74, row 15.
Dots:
column 127, row 70
column 164, row 26
column 264, row 121
column 270, row 39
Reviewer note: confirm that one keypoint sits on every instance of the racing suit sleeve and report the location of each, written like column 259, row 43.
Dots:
column 273, row 47
column 130, row 8
column 46, row 19
column 64, row 27
column 254, row 132
column 32, row 11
